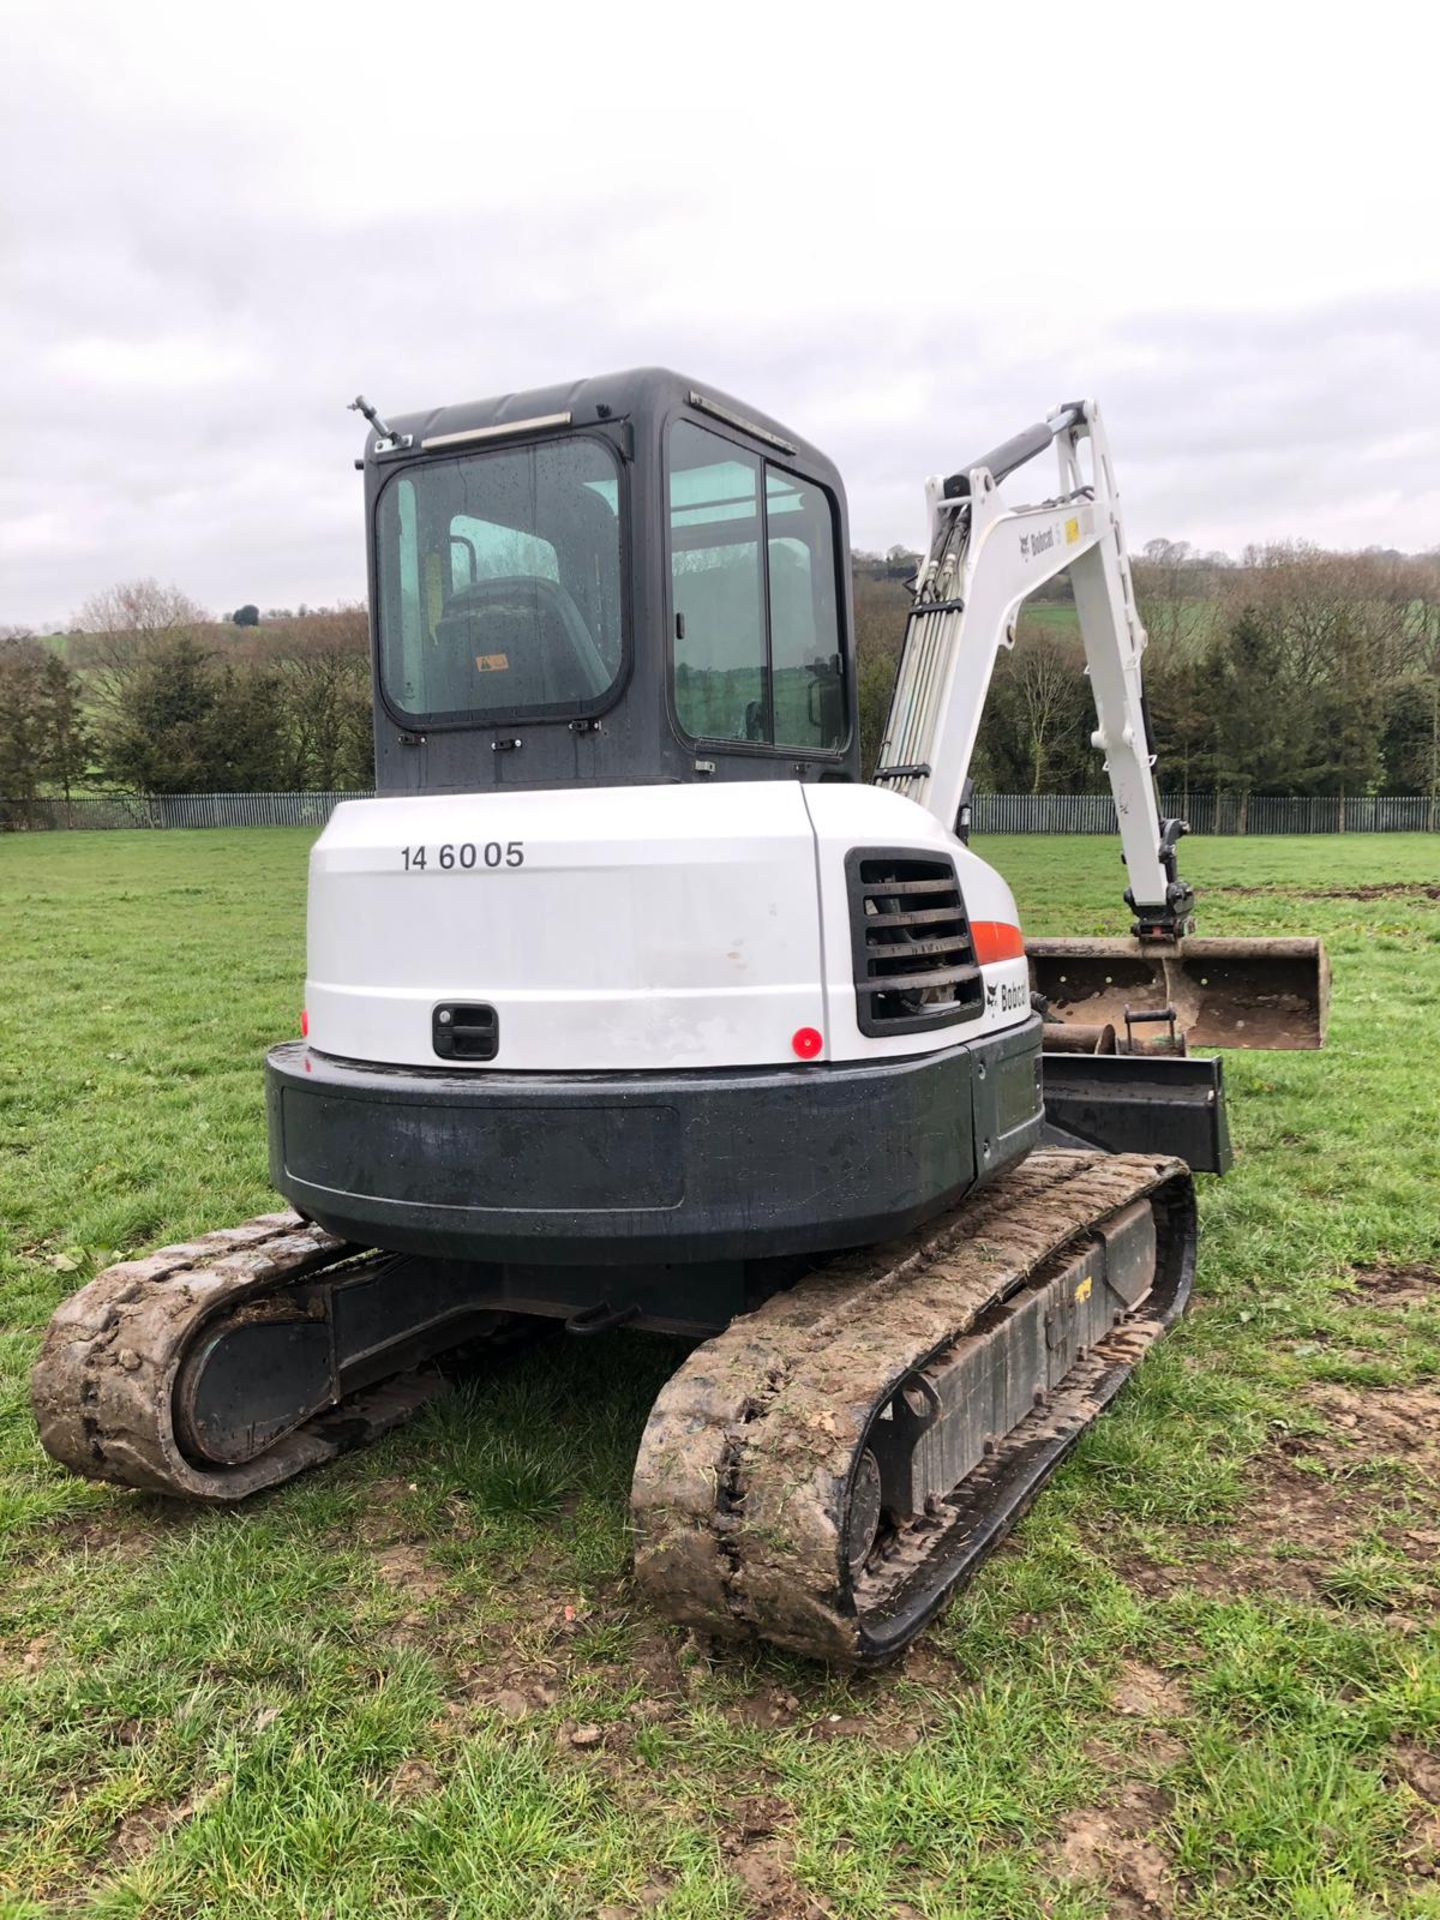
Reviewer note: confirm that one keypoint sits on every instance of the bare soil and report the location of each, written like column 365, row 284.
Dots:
column 765, row 1871
column 1375, row 890
column 1314, row 1497
column 1417, row 1773
column 1120, row 1848
column 140, row 1832
column 1398, row 1286
column 1144, row 1693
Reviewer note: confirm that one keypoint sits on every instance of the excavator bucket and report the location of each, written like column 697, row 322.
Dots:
column 1121, row 996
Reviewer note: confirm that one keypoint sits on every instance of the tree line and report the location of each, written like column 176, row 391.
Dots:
column 1293, row 670
column 153, row 696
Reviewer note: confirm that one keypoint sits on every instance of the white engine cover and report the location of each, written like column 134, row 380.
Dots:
column 617, row 929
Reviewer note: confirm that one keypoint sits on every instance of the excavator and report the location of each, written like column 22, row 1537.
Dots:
column 630, row 1003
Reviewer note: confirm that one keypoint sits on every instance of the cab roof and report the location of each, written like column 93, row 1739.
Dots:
column 645, row 396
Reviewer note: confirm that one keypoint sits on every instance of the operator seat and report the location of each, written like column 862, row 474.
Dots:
column 526, row 640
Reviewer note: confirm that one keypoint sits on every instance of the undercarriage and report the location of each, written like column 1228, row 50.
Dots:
column 822, row 1474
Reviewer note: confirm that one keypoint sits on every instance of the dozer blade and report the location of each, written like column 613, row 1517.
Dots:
column 1266, row 994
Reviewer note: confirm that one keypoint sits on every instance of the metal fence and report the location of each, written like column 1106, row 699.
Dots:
column 1212, row 813
column 174, row 810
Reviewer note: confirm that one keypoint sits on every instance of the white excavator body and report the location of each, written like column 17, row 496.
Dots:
column 626, row 929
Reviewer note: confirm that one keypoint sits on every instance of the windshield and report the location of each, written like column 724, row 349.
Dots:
column 499, row 583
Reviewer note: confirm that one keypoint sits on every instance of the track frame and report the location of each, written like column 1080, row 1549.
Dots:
column 752, row 1455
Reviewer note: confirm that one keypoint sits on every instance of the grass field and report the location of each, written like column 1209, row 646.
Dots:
column 1203, row 1679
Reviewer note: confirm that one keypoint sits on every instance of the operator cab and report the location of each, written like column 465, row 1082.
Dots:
column 631, row 580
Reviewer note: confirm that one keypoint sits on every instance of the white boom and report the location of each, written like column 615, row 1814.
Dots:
column 985, row 559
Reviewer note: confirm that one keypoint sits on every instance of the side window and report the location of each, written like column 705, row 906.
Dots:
column 720, row 669
column 756, row 641
column 807, row 683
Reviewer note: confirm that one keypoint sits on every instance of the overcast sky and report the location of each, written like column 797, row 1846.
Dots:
column 906, row 230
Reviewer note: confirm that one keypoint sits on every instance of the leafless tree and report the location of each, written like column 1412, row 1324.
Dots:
column 120, row 626
column 1045, row 671
column 1167, row 584
column 1341, row 616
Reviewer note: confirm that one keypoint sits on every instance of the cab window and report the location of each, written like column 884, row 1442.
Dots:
column 500, row 583
column 756, row 622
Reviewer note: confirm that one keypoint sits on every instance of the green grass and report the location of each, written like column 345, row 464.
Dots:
column 356, row 1696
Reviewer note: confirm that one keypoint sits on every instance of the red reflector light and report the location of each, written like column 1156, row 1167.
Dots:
column 996, row 940
column 304, row 1023
column 807, row 1042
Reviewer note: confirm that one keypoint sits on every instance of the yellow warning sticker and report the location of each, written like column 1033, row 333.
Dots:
column 492, row 662
column 1082, row 1292
column 1072, row 532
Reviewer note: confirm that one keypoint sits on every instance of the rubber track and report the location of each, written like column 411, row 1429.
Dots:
column 103, row 1387
column 744, row 1467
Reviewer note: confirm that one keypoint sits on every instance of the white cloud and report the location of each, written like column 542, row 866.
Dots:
column 906, row 231
column 158, row 365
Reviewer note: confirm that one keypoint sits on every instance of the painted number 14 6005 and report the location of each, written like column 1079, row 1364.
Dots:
column 464, row 856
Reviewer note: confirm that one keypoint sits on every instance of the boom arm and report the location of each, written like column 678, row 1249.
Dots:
column 985, row 559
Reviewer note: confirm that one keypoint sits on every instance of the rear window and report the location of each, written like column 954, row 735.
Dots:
column 500, row 583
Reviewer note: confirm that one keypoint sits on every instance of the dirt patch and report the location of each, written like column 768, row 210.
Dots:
column 413, row 1780
column 1411, row 1767
column 1422, row 1853
column 117, row 1531
column 765, row 1870
column 927, row 1667
column 140, row 1832
column 1147, row 1694
column 405, row 1567
column 1398, row 1286
column 517, row 1670
column 1315, row 1495
column 1419, row 1770
column 1383, row 1423
column 1311, row 1498
column 883, row 1735
column 1375, row 890
column 880, row 1708
column 36, row 1656
column 508, row 1692
column 765, row 1707
column 385, row 1516
column 1120, row 1849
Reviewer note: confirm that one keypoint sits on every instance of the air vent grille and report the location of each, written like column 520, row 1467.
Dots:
column 914, row 959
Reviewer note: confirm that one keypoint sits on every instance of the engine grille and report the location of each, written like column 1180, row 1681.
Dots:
column 910, row 937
